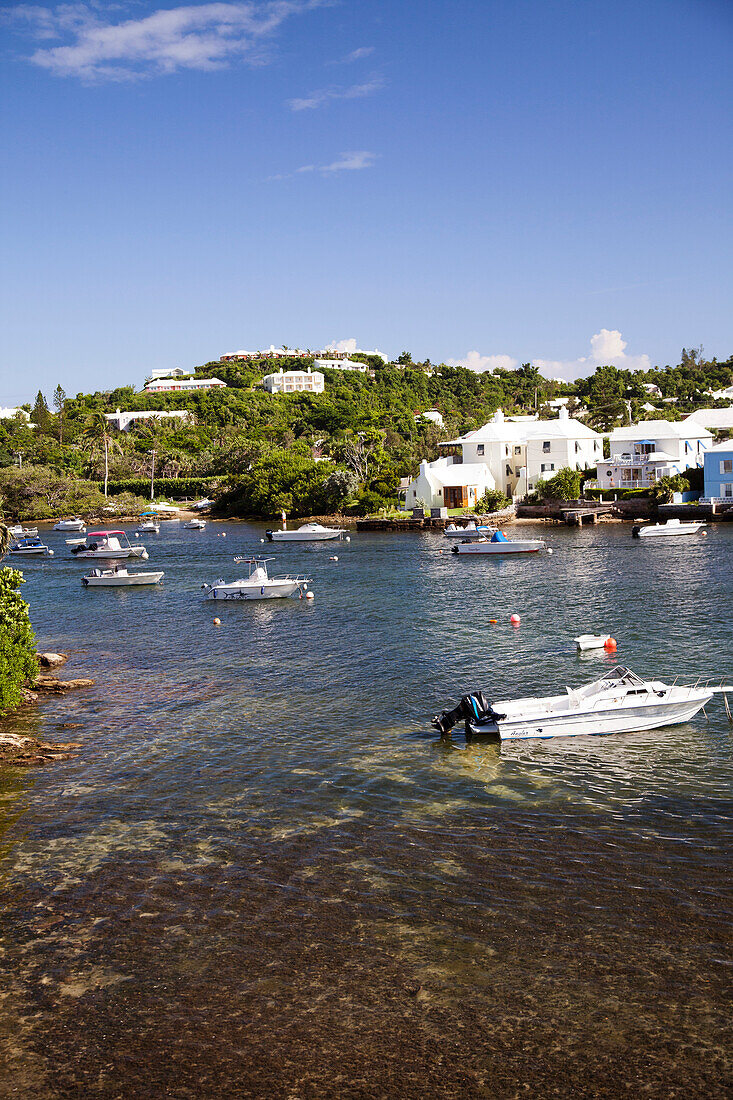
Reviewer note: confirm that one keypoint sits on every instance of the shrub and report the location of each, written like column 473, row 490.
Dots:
column 493, row 500
column 18, row 661
column 666, row 487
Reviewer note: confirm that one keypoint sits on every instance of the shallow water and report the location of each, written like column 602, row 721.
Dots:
column 264, row 875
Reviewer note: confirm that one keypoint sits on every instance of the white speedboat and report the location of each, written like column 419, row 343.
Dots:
column 499, row 544
column 113, row 545
column 257, row 586
column 118, row 577
column 30, row 548
column 472, row 530
column 74, row 524
column 619, row 702
column 671, row 527
column 148, row 524
column 18, row 531
column 585, row 642
column 195, row 525
column 307, row 532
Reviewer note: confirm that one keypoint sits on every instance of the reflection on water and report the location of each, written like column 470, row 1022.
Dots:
column 264, row 875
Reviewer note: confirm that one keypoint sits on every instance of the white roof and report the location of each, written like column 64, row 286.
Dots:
column 726, row 445
column 510, row 432
column 460, row 473
column 660, row 429
column 713, row 418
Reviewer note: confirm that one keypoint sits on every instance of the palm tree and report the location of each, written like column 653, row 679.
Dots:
column 96, row 434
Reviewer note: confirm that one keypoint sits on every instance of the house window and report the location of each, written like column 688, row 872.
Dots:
column 547, row 466
column 479, row 449
column 517, row 450
column 726, row 489
column 726, row 466
column 546, row 447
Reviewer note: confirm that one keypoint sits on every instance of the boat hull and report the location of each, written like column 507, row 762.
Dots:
column 666, row 530
column 40, row 552
column 269, row 591
column 632, row 719
column 113, row 555
column 518, row 546
column 131, row 580
column 296, row 536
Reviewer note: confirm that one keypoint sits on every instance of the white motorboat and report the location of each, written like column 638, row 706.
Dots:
column 671, row 527
column 148, row 524
column 499, row 544
column 619, row 702
column 257, row 586
column 114, row 545
column 591, row 641
column 74, row 524
column 472, row 530
column 78, row 541
column 118, row 577
column 307, row 532
column 18, row 531
column 30, row 548
column 195, row 525
column 201, row 505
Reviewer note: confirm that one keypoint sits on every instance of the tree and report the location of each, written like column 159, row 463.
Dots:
column 18, row 661
column 664, row 489
column 59, row 397
column 565, row 485
column 97, row 435
column 40, row 414
column 4, row 540
column 493, row 500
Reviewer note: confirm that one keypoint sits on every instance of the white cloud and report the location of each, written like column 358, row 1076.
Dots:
column 607, row 348
column 346, row 162
column 482, row 363
column 348, row 346
column 200, row 36
column 355, row 55
column 328, row 95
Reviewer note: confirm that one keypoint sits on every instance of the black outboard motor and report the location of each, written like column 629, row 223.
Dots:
column 475, row 708
column 268, row 536
column 636, row 531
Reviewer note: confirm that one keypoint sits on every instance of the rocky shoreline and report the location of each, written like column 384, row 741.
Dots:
column 22, row 750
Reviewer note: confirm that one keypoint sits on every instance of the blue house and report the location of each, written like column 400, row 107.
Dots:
column 719, row 471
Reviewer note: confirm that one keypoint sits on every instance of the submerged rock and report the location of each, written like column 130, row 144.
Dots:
column 51, row 683
column 52, row 660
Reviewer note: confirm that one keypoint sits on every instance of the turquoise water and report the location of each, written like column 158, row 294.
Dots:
column 264, row 875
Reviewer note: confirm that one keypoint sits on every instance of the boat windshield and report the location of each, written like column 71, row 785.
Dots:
column 617, row 675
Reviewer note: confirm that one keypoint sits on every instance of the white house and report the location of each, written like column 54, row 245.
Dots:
column 719, row 471
column 294, row 381
column 124, row 420
column 13, row 414
column 513, row 455
column 177, row 372
column 449, row 484
column 642, row 453
column 519, row 452
column 340, row 364
column 433, row 415
column 181, row 385
column 722, row 395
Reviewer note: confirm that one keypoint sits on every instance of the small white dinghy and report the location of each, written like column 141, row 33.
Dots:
column 148, row 524
column 472, row 530
column 307, row 532
column 585, row 642
column 257, row 586
column 18, row 531
column 118, row 577
column 195, row 525
column 499, row 544
column 671, row 527
column 74, row 524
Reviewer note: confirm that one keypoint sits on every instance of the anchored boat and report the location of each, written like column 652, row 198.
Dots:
column 619, row 702
column 29, row 548
column 257, row 586
column 499, row 544
column 108, row 544
column 74, row 524
column 472, row 530
column 118, row 577
column 671, row 527
column 307, row 532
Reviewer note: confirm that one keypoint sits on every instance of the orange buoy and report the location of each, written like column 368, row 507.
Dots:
column 217, row 622
column 610, row 645
column 493, row 620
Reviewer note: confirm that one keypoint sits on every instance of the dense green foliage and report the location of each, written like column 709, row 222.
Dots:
column 565, row 485
column 263, row 449
column 17, row 643
column 664, row 489
column 493, row 500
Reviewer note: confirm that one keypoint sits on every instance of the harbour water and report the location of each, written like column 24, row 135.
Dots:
column 263, row 874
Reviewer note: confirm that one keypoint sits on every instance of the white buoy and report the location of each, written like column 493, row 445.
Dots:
column 333, row 558
column 348, row 538
column 549, row 551
column 50, row 553
column 309, row 596
column 223, row 534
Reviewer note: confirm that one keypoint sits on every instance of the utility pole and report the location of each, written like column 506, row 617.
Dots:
column 19, row 456
column 152, row 475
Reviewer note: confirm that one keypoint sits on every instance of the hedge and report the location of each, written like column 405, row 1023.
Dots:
column 18, row 661
column 174, row 487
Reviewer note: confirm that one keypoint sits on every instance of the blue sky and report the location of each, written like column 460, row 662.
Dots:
column 481, row 181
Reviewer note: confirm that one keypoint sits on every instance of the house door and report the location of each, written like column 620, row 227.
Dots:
column 456, row 496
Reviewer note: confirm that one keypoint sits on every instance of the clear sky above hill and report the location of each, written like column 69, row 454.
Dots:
column 485, row 181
